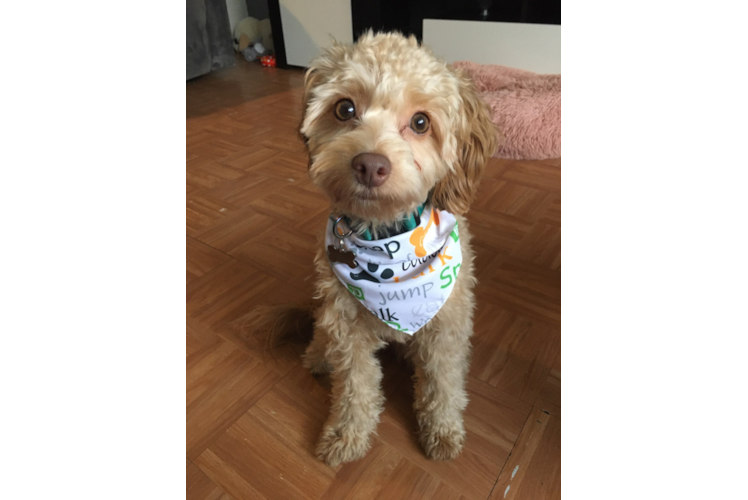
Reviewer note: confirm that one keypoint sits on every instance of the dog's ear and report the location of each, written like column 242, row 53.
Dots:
column 312, row 78
column 476, row 141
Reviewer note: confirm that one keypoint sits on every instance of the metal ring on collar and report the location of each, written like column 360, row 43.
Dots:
column 335, row 229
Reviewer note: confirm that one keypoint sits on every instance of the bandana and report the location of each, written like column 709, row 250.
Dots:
column 404, row 279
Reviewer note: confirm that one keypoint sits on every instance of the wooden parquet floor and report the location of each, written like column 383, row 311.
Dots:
column 253, row 419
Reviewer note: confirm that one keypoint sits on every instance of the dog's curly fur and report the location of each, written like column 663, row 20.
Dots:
column 389, row 78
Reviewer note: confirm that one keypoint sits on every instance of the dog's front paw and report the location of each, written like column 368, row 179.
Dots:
column 443, row 444
column 338, row 445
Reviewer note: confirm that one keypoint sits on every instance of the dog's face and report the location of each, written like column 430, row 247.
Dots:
column 386, row 123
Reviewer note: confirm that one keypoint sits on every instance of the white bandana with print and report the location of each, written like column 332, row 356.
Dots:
column 403, row 280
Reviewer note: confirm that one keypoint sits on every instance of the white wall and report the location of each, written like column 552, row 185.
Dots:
column 310, row 25
column 237, row 11
column 532, row 47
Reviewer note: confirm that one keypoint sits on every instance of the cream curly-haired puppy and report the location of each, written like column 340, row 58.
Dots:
column 397, row 141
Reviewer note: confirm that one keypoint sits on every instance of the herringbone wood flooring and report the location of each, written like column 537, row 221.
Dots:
column 253, row 419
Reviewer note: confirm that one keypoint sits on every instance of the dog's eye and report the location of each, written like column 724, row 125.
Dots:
column 345, row 110
column 419, row 123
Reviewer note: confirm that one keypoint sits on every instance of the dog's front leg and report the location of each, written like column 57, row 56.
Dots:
column 441, row 362
column 357, row 398
column 315, row 357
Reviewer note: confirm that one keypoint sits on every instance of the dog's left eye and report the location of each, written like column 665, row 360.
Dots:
column 419, row 123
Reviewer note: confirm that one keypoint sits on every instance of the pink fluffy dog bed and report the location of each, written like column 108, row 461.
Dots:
column 525, row 106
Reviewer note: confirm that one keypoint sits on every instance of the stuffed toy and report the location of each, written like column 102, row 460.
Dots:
column 249, row 33
column 246, row 33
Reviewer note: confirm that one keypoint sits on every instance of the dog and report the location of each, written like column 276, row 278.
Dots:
column 397, row 141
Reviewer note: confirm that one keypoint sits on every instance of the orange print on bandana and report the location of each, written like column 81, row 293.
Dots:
column 419, row 233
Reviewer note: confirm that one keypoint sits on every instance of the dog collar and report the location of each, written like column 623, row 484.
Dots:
column 408, row 223
column 403, row 279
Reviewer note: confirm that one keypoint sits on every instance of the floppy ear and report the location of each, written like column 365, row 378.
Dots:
column 318, row 72
column 476, row 143
column 311, row 79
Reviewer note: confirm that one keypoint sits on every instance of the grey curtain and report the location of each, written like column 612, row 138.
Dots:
column 209, row 44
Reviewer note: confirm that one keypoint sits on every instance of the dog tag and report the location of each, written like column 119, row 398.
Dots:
column 341, row 255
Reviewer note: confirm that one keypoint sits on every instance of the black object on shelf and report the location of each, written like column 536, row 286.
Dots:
column 407, row 16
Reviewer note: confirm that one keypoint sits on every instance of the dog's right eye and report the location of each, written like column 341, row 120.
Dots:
column 345, row 110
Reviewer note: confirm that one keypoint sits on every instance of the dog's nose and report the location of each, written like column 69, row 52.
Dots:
column 371, row 169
